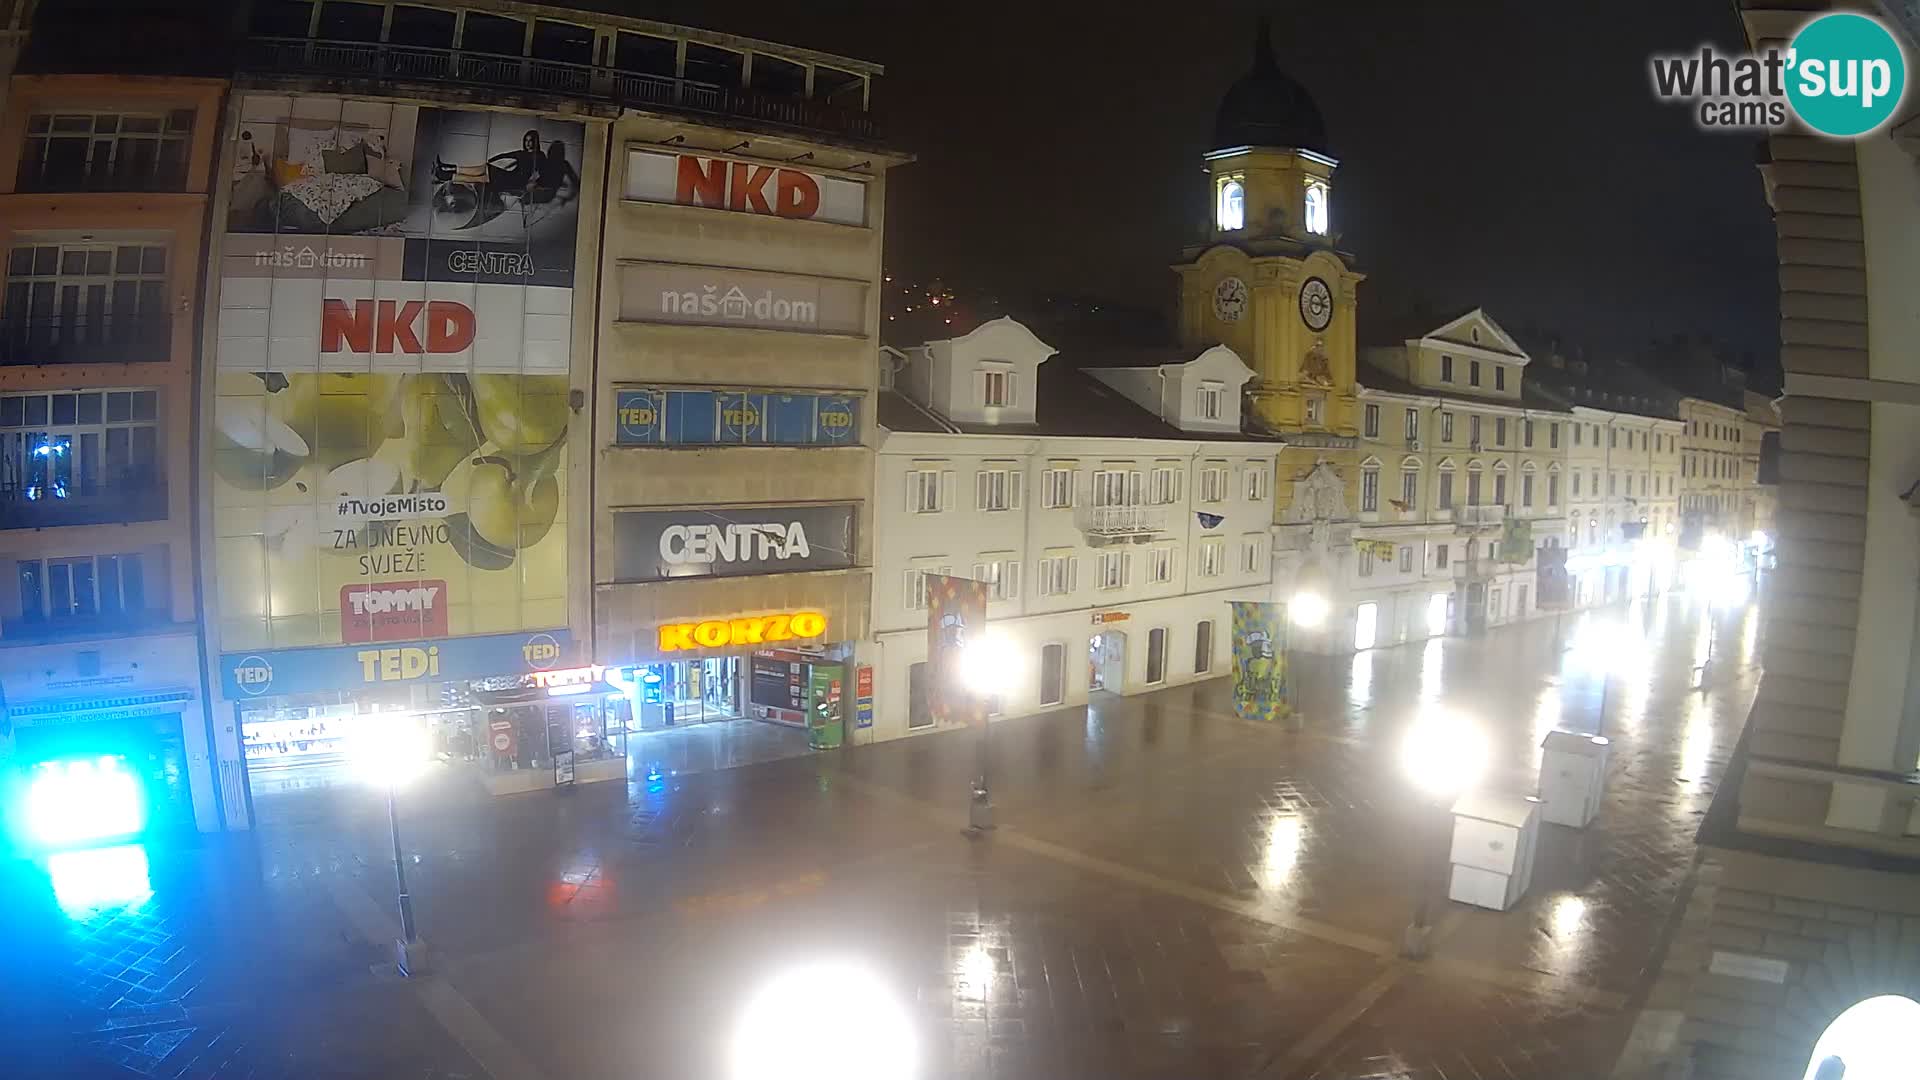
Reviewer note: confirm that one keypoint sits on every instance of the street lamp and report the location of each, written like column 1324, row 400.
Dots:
column 388, row 751
column 987, row 666
column 1442, row 756
column 777, row 1035
column 1308, row 610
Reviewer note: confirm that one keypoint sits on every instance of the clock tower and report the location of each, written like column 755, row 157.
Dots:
column 1268, row 281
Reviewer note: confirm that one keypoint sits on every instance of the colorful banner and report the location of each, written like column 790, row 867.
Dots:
column 294, row 671
column 1384, row 550
column 392, row 391
column 956, row 614
column 1260, row 687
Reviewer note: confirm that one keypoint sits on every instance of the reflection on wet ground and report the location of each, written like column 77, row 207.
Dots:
column 1173, row 892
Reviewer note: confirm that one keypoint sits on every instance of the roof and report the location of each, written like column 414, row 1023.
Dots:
column 1266, row 107
column 1072, row 403
column 1410, row 326
column 1376, row 378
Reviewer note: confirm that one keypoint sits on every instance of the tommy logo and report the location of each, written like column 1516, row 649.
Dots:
column 393, row 611
column 388, row 326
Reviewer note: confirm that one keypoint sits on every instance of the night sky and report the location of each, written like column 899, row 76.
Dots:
column 1508, row 155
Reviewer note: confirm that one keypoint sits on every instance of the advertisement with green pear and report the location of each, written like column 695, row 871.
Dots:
column 391, row 414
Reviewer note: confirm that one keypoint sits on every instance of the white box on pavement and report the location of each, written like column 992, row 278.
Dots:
column 1492, row 855
column 1573, row 777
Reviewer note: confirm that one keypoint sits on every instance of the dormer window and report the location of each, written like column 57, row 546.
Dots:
column 1209, row 400
column 996, row 387
column 1316, row 410
column 1316, row 207
column 1231, row 214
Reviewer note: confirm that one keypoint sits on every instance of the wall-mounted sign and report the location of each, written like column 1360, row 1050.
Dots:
column 721, row 296
column 573, row 676
column 750, row 630
column 651, row 545
column 1103, row 617
column 670, row 417
column 294, row 671
column 393, row 611
column 863, row 696
column 744, row 187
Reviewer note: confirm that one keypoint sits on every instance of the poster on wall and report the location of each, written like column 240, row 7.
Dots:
column 391, row 403
column 956, row 613
column 1260, row 687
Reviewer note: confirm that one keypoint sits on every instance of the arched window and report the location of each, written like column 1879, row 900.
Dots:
column 1233, row 206
column 1317, row 209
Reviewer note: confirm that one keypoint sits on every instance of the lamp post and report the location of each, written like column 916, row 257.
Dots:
column 389, row 751
column 987, row 666
column 1442, row 756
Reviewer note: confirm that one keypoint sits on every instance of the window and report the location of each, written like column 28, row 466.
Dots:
column 923, row 491
column 1409, row 490
column 1499, row 377
column 1446, row 427
column 1203, row 647
column 1553, row 436
column 1576, row 483
column 1369, row 490
column 1371, row 420
column 996, row 387
column 1053, row 673
column 1499, row 431
column 997, row 489
column 1365, row 562
column 1212, row 557
column 1613, row 479
column 1473, row 486
column 1250, row 553
column 87, row 295
column 1113, row 570
column 1157, row 655
column 1413, row 425
column 1113, row 487
column 1164, row 485
column 1577, row 429
column 1446, row 368
column 1209, row 403
column 106, row 151
column 1473, row 432
column 1057, row 573
column 91, row 585
column 1441, row 553
column 915, row 587
column 1256, row 482
column 79, row 443
column 1406, row 558
column 1002, row 575
column 1316, row 207
column 1160, row 563
column 1612, row 438
column 1553, row 489
column 1526, row 490
column 1056, row 487
column 1595, row 432
column 1473, row 373
column 1316, row 409
column 1526, row 434
column 1232, row 211
column 1500, row 489
column 1213, row 484
column 1445, row 500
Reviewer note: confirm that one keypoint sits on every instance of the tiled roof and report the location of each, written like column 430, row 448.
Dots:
column 1375, row 378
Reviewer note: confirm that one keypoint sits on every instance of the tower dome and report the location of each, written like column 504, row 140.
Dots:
column 1267, row 107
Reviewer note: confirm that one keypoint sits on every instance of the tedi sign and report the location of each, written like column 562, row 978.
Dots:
column 650, row 545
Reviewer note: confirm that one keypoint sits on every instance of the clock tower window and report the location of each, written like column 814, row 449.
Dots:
column 1231, row 215
column 1316, row 207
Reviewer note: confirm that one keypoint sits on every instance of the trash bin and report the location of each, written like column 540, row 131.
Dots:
column 1573, row 777
column 1493, row 841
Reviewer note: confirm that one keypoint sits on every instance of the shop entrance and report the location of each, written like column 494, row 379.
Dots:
column 1107, row 661
column 685, row 692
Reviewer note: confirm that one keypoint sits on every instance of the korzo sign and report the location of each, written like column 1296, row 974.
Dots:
column 650, row 545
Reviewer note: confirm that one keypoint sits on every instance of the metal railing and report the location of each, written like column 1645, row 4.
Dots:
column 1479, row 516
column 275, row 56
column 105, row 339
column 1121, row 520
column 132, row 499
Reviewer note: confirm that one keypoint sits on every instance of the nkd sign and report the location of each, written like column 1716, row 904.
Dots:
column 744, row 187
column 720, row 296
column 651, row 545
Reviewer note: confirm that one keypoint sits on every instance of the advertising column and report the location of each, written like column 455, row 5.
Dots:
column 391, row 409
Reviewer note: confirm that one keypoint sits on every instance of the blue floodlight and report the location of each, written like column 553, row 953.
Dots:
column 77, row 801
column 87, row 881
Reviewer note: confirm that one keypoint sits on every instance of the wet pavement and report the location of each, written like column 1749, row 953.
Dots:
column 1172, row 892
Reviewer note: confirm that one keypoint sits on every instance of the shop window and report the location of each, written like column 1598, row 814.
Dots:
column 1156, row 655
column 421, row 27
column 1365, row 620
column 1203, row 647
column 1053, row 673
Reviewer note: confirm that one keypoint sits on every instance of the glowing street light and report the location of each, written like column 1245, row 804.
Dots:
column 779, row 1036
column 389, row 751
column 987, row 666
column 1308, row 610
column 1442, row 755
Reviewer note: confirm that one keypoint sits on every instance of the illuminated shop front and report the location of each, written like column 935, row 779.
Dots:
column 769, row 667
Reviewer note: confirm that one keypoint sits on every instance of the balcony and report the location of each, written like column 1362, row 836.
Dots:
column 37, row 508
column 22, row 631
column 1121, row 522
column 278, row 57
column 137, row 339
column 1482, row 516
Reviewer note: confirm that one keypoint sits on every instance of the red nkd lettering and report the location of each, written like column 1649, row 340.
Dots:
column 388, row 326
column 700, row 183
column 748, row 191
column 795, row 194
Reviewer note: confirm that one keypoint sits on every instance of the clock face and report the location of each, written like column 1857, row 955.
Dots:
column 1230, row 299
column 1316, row 304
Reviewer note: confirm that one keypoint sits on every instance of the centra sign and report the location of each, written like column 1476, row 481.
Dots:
column 752, row 630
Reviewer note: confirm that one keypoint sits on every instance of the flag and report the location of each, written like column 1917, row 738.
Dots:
column 1209, row 521
column 956, row 613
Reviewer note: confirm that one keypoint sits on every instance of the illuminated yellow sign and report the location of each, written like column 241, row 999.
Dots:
column 751, row 630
